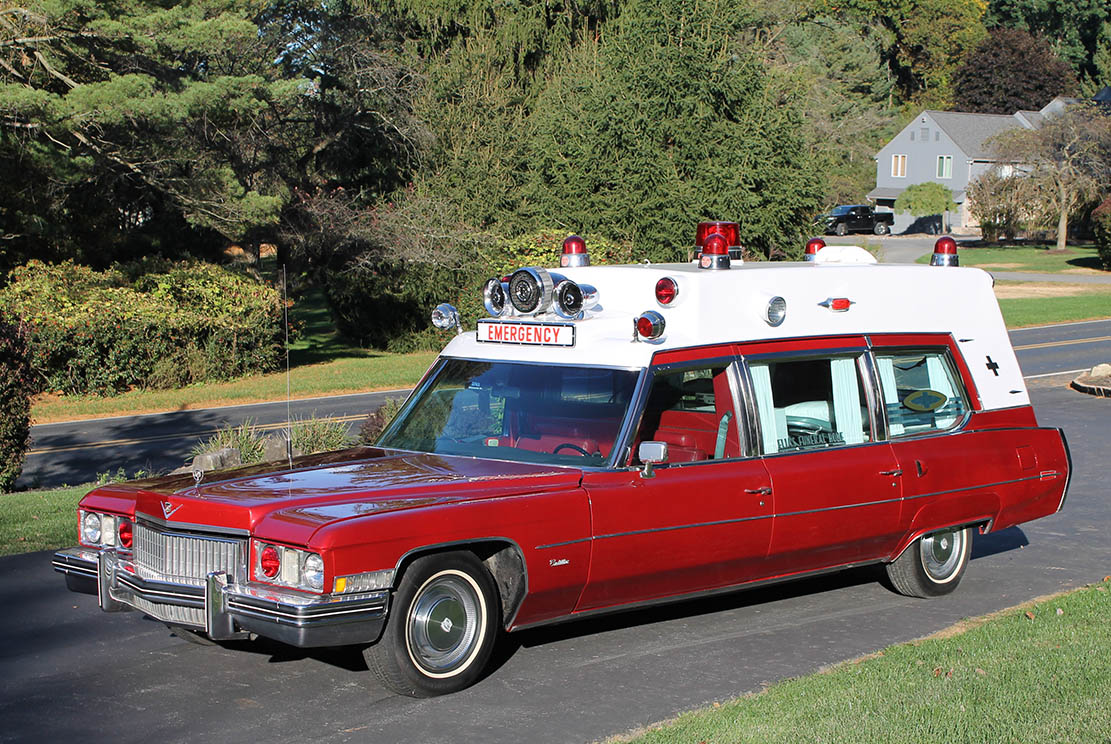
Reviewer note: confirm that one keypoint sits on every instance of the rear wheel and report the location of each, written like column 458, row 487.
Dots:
column 441, row 629
column 881, row 228
column 933, row 565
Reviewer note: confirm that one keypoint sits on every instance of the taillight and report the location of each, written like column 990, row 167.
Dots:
column 666, row 290
column 270, row 561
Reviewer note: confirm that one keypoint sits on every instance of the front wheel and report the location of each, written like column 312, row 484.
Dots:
column 442, row 627
column 933, row 564
column 841, row 229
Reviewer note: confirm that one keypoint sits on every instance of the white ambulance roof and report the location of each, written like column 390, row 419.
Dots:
column 725, row 306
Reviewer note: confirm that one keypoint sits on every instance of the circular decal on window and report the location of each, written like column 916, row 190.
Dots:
column 924, row 400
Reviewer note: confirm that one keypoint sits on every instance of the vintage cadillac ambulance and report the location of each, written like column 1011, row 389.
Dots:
column 611, row 437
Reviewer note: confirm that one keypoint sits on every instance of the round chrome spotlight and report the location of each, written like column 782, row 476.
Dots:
column 495, row 296
column 445, row 316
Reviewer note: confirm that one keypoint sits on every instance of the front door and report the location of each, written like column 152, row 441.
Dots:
column 704, row 520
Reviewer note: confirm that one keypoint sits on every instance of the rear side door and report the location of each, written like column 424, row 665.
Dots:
column 836, row 485
column 951, row 474
column 703, row 520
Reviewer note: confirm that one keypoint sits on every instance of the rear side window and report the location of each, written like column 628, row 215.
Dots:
column 921, row 392
column 805, row 404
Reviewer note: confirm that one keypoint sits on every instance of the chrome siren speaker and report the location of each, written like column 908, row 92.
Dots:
column 530, row 290
column 568, row 299
column 495, row 296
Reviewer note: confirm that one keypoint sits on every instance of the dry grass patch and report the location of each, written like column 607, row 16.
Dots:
column 1009, row 291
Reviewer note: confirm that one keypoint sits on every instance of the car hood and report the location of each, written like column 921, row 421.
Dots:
column 322, row 489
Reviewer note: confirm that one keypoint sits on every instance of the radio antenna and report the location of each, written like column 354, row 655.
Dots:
column 288, row 415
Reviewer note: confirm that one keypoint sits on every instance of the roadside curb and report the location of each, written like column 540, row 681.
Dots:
column 1082, row 385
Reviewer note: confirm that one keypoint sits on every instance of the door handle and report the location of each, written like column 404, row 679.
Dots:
column 763, row 490
column 892, row 473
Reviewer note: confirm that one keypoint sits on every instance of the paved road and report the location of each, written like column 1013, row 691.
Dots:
column 77, row 452
column 70, row 672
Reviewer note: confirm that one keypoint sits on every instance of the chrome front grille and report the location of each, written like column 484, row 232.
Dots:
column 193, row 616
column 181, row 558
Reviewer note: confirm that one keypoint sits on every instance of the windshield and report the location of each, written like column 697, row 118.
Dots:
column 510, row 411
column 843, row 209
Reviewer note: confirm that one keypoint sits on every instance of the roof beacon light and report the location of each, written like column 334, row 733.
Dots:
column 574, row 252
column 812, row 247
column 729, row 230
column 649, row 325
column 530, row 290
column 945, row 252
column 495, row 297
column 667, row 290
column 715, row 252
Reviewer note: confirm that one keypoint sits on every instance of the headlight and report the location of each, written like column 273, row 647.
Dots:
column 298, row 569
column 90, row 528
column 312, row 572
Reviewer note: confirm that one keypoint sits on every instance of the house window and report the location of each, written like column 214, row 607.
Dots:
column 944, row 166
column 898, row 166
column 937, row 136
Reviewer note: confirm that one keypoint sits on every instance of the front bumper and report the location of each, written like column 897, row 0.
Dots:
column 225, row 610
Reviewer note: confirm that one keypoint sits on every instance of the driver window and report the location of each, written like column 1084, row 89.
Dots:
column 692, row 411
column 809, row 404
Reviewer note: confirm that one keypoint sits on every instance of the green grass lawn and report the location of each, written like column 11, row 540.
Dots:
column 1038, row 258
column 39, row 520
column 1040, row 673
column 1082, row 302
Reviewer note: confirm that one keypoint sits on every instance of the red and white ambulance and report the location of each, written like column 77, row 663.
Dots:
column 611, row 437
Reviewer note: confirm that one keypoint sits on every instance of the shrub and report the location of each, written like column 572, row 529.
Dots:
column 997, row 203
column 309, row 435
column 1101, row 226
column 925, row 199
column 16, row 388
column 151, row 323
column 319, row 434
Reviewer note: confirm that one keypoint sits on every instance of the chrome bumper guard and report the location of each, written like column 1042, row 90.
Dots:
column 225, row 610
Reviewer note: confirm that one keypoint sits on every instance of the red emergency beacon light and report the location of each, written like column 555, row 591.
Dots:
column 812, row 247
column 729, row 230
column 945, row 252
column 712, row 242
column 574, row 252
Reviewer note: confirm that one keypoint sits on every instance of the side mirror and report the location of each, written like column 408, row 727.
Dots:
column 651, row 453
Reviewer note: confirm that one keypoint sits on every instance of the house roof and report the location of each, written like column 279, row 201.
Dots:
column 970, row 132
column 1031, row 119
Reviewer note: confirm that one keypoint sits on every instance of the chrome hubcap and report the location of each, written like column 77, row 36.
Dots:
column 444, row 623
column 942, row 553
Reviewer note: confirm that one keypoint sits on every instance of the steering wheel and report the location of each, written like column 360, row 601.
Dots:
column 568, row 445
column 807, row 424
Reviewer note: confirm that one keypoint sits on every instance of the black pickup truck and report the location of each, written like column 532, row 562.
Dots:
column 849, row 218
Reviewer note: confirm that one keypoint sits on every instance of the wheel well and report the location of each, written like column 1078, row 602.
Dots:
column 502, row 558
